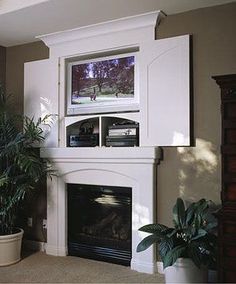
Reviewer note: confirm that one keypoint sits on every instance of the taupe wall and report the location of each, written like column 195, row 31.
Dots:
column 2, row 65
column 194, row 172
column 191, row 172
column 16, row 56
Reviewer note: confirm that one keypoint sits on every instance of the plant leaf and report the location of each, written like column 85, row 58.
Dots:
column 165, row 246
column 153, row 228
column 179, row 213
column 195, row 254
column 147, row 242
column 200, row 233
column 173, row 255
column 189, row 213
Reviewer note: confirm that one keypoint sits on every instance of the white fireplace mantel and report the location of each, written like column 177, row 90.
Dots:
column 101, row 154
column 130, row 167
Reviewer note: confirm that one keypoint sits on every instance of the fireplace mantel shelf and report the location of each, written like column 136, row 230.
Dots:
column 129, row 154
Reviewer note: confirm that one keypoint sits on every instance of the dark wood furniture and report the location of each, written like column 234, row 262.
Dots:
column 227, row 215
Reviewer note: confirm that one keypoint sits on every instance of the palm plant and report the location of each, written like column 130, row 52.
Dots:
column 21, row 168
column 191, row 237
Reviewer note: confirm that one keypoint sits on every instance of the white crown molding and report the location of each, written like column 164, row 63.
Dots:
column 128, row 23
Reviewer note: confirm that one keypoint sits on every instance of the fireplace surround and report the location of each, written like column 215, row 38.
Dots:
column 124, row 167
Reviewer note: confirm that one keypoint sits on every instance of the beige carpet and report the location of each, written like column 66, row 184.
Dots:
column 41, row 268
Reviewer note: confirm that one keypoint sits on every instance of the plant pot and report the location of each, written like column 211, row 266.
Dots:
column 185, row 271
column 10, row 248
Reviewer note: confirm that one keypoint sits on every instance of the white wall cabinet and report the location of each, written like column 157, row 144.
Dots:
column 165, row 92
column 40, row 95
column 163, row 82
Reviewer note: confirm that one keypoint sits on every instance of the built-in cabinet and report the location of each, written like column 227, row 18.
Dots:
column 161, row 114
column 97, row 127
column 227, row 215
column 162, row 106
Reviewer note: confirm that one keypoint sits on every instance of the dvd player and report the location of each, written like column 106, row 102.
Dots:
column 83, row 140
column 122, row 141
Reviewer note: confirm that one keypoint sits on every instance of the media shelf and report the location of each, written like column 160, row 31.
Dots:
column 93, row 131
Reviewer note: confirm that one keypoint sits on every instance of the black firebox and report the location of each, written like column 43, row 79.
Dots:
column 99, row 222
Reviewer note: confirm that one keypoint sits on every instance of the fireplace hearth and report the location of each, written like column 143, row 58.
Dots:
column 99, row 222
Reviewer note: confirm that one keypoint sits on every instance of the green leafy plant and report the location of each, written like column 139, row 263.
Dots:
column 21, row 168
column 191, row 237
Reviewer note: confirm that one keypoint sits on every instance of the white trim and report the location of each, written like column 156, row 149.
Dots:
column 127, row 23
column 144, row 267
column 55, row 250
column 160, row 268
column 129, row 167
column 78, row 154
column 115, row 104
column 35, row 245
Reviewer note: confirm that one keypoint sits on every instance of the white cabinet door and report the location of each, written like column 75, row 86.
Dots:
column 165, row 92
column 41, row 95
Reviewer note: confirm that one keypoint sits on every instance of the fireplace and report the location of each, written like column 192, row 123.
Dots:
column 132, row 167
column 99, row 222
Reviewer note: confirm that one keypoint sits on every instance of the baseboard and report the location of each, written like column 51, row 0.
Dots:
column 160, row 268
column 145, row 267
column 34, row 245
column 55, row 250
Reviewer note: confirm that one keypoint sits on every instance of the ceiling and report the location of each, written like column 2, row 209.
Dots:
column 21, row 21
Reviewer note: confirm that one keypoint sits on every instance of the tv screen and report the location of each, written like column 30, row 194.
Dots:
column 101, row 85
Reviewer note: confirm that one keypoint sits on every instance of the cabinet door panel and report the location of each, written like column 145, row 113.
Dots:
column 165, row 92
column 40, row 95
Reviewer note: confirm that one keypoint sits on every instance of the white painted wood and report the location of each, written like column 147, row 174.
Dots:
column 163, row 89
column 129, row 167
column 106, row 43
column 120, row 25
column 165, row 92
column 128, row 115
column 124, row 33
column 110, row 154
column 104, row 120
column 160, row 268
column 40, row 96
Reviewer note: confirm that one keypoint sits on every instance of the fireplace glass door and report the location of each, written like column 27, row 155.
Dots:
column 99, row 222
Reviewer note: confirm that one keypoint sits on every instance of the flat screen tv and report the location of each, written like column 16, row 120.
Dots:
column 102, row 85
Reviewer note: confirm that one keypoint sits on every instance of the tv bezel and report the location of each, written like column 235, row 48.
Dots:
column 124, row 105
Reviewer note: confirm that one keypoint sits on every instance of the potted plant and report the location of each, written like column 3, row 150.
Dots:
column 189, row 248
column 21, row 170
